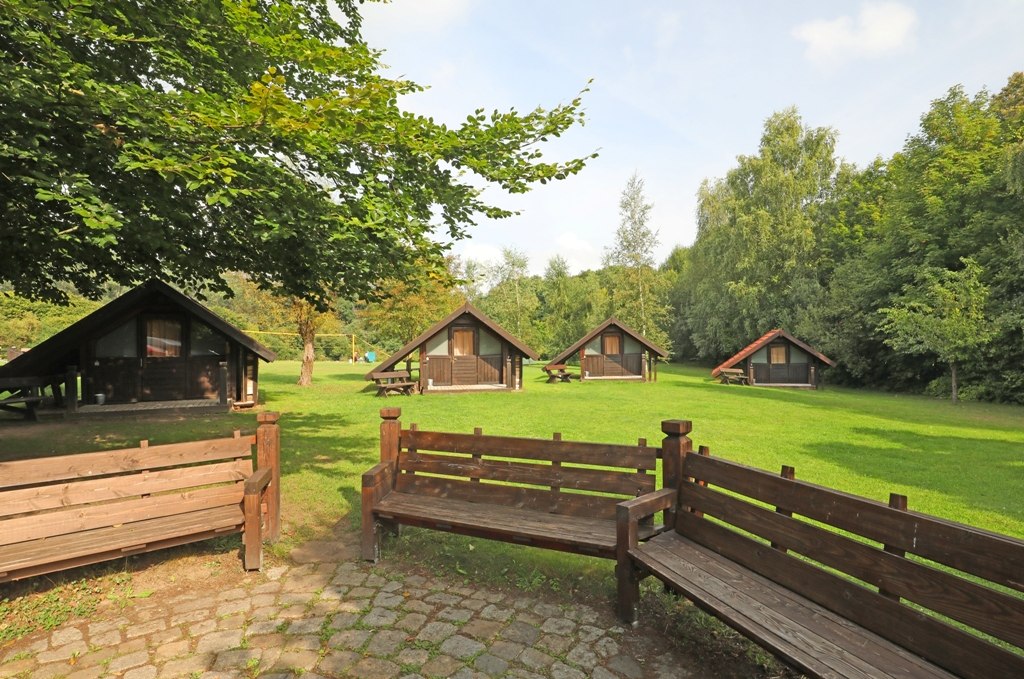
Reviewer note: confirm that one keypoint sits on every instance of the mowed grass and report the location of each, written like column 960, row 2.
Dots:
column 963, row 462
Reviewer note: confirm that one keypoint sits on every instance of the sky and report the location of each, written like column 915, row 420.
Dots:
column 680, row 89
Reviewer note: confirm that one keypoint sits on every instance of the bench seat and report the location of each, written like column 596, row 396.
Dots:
column 34, row 557
column 581, row 534
column 811, row 636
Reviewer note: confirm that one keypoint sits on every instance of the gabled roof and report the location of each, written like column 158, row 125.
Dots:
column 47, row 356
column 651, row 346
column 764, row 340
column 466, row 308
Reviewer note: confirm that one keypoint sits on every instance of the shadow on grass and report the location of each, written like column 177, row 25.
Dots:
column 958, row 467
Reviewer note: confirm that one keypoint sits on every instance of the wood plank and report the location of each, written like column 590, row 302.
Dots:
column 562, row 503
column 91, row 517
column 818, row 641
column 989, row 555
column 600, row 454
column 37, row 498
column 84, row 465
column 942, row 644
column 992, row 612
column 67, row 550
column 629, row 484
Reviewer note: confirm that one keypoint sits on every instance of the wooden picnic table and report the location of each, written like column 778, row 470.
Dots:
column 393, row 381
column 733, row 375
column 558, row 372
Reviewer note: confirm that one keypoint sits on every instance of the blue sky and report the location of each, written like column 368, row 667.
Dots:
column 681, row 88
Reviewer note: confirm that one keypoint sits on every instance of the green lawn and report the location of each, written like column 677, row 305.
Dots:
column 963, row 462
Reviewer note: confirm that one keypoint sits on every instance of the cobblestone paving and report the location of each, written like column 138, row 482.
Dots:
column 347, row 620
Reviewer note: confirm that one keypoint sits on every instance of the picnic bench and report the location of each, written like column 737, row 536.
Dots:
column 554, row 494
column 733, row 376
column 897, row 594
column 66, row 511
column 21, row 404
column 394, row 381
column 559, row 372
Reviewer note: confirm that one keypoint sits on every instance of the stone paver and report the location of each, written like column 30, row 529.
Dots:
column 320, row 618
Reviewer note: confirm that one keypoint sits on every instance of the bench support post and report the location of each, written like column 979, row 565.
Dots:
column 675, row 446
column 268, row 456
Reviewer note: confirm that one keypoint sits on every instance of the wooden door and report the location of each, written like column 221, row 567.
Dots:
column 464, row 359
column 164, row 364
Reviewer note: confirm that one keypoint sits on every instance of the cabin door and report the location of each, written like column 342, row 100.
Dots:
column 164, row 364
column 611, row 347
column 464, row 358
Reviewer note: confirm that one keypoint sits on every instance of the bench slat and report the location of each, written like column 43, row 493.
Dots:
column 91, row 517
column 629, row 484
column 66, row 551
column 85, row 465
column 630, row 457
column 511, row 524
column 987, row 610
column 37, row 498
column 810, row 636
column 566, row 504
column 952, row 648
column 991, row 556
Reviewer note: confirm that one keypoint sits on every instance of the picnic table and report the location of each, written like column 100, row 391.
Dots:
column 733, row 376
column 394, row 381
column 558, row 372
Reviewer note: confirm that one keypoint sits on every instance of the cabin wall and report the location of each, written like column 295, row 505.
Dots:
column 782, row 362
column 466, row 353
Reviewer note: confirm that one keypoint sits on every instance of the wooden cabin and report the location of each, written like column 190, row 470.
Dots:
column 150, row 344
column 613, row 351
column 464, row 351
column 777, row 359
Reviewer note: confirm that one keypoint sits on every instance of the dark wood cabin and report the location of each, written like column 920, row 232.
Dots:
column 150, row 344
column 466, row 350
column 778, row 359
column 613, row 351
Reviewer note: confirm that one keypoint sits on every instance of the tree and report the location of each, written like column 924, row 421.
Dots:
column 635, row 287
column 512, row 299
column 186, row 138
column 944, row 314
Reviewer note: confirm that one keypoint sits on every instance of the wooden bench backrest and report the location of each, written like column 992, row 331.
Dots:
column 561, row 477
column 49, row 496
column 787, row 543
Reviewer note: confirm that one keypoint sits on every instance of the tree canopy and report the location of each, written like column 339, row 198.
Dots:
column 186, row 138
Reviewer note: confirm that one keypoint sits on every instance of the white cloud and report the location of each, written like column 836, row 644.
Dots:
column 879, row 28
column 417, row 16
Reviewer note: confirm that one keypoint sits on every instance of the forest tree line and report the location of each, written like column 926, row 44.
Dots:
column 907, row 272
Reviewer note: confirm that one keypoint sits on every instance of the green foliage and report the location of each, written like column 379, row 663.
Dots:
column 943, row 314
column 512, row 299
column 182, row 139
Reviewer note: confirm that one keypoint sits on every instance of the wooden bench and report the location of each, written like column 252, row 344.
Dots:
column 543, row 493
column 733, row 375
column 895, row 594
column 395, row 381
column 71, row 510
column 28, row 405
column 558, row 372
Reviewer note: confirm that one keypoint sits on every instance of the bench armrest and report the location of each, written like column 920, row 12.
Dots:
column 258, row 482
column 629, row 513
column 378, row 482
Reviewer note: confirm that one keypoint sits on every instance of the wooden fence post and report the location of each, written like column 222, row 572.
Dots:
column 896, row 501
column 674, row 447
column 71, row 389
column 390, row 434
column 790, row 474
column 268, row 455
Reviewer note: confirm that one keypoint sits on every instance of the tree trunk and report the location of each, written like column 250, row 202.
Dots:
column 956, row 385
column 306, row 319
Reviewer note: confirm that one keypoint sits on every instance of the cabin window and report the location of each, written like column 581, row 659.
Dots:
column 205, row 341
column 594, row 346
column 630, row 346
column 462, row 341
column 777, row 354
column 163, row 338
column 611, row 344
column 119, row 343
column 489, row 344
column 438, row 344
